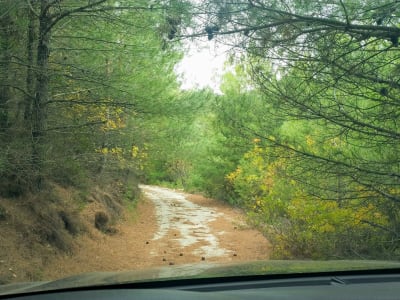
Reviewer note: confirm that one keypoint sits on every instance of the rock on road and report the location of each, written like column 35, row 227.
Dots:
column 192, row 228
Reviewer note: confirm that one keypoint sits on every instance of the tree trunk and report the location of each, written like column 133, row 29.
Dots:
column 41, row 96
column 5, row 63
column 30, row 74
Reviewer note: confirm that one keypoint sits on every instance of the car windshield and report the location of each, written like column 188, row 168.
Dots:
column 183, row 135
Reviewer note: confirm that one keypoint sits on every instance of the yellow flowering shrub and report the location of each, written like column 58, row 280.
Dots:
column 324, row 229
column 297, row 224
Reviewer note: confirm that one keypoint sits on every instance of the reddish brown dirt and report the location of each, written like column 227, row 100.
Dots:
column 247, row 243
column 132, row 247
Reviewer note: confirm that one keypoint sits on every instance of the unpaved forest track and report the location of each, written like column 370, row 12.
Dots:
column 187, row 221
column 170, row 228
column 201, row 229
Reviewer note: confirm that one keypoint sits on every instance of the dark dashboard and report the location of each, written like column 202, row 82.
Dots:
column 309, row 286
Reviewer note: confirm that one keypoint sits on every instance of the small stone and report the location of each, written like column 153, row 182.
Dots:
column 164, row 259
column 180, row 254
column 165, row 252
column 147, row 242
column 171, row 263
column 234, row 254
column 235, row 227
column 203, row 258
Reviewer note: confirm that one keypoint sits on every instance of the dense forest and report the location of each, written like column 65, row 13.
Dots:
column 304, row 136
column 78, row 81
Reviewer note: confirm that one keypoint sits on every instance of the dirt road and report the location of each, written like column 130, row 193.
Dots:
column 201, row 229
column 170, row 228
column 189, row 223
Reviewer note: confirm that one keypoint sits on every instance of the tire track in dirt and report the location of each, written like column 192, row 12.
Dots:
column 201, row 229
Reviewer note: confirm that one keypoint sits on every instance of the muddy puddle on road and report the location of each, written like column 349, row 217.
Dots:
column 189, row 223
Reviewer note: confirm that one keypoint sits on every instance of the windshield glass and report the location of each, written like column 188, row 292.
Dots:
column 181, row 135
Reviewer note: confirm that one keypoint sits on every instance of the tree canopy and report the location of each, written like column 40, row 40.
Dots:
column 329, row 65
column 75, row 77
